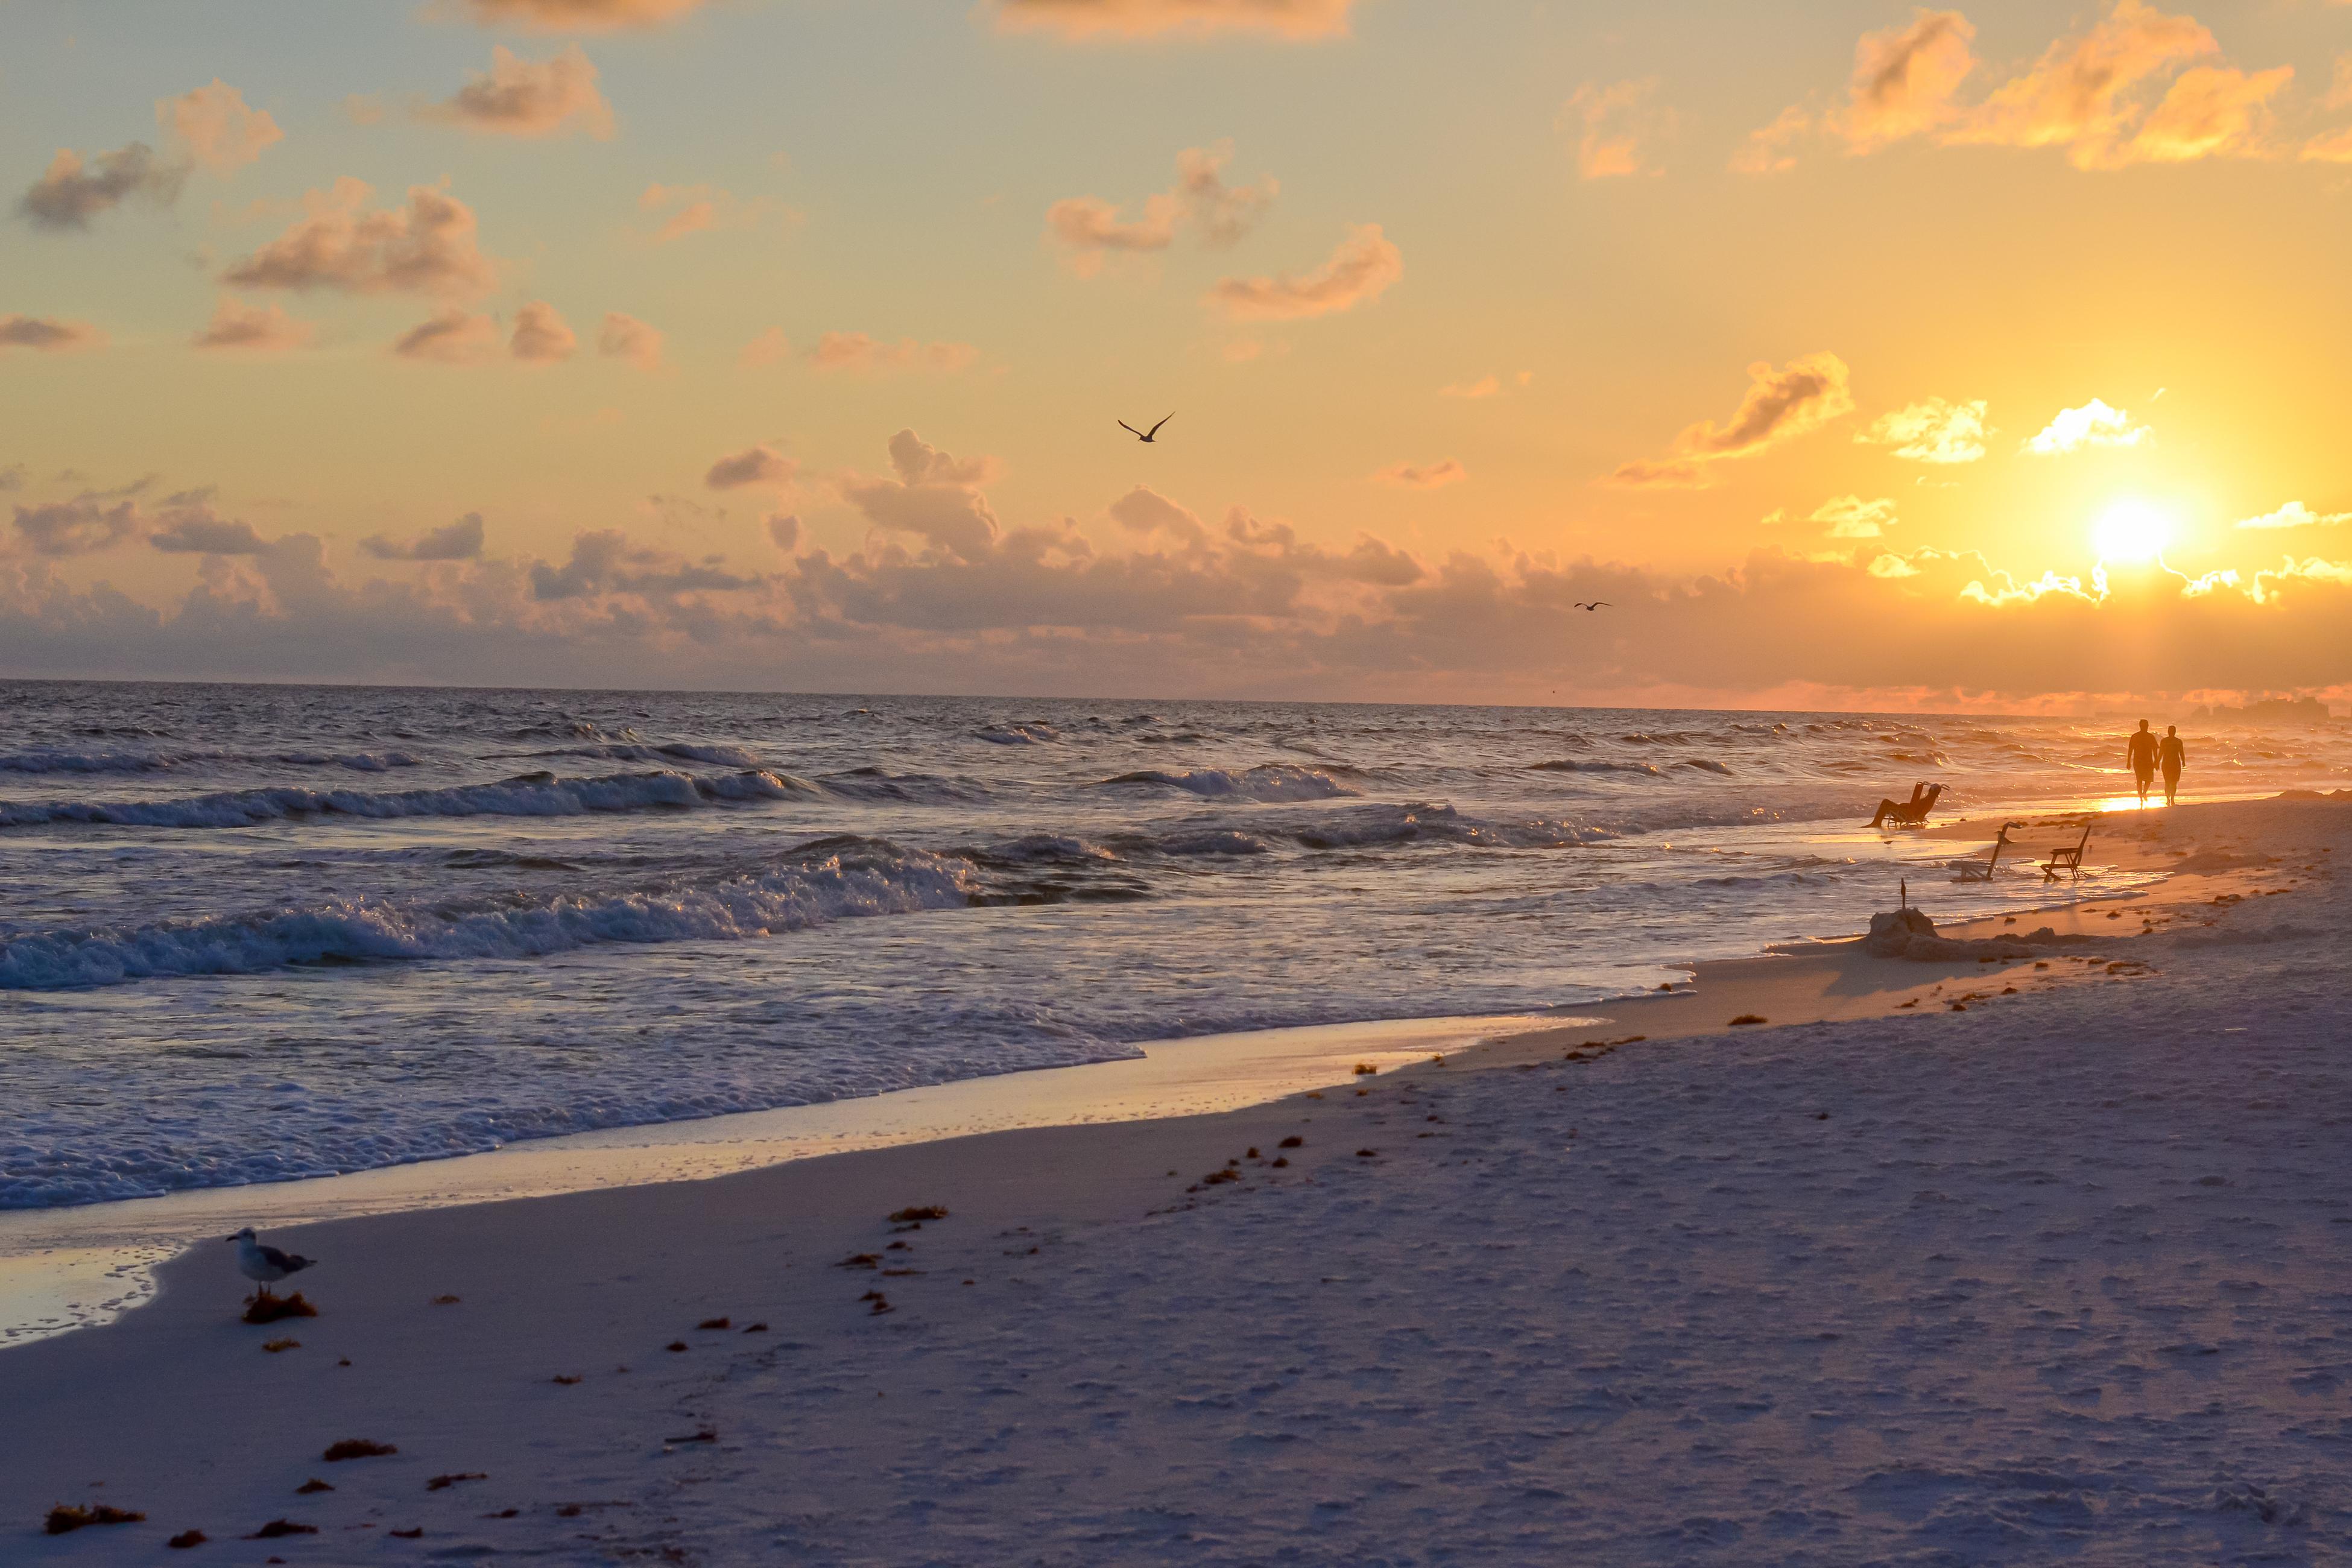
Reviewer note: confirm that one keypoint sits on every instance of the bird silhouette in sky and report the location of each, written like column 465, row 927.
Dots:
column 1145, row 435
column 1596, row 604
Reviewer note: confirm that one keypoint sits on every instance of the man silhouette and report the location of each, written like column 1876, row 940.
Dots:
column 2172, row 755
column 2140, row 752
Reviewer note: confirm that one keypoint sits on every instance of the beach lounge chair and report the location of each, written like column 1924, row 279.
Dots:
column 2067, row 860
column 1969, row 871
column 1912, row 813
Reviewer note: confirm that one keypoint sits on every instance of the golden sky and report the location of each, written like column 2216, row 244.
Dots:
column 1854, row 353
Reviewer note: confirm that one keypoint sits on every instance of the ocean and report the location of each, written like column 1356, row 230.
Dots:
column 258, row 932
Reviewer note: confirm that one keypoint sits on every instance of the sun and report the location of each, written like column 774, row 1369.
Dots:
column 2131, row 530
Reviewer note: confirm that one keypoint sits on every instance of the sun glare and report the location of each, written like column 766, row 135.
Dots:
column 2130, row 530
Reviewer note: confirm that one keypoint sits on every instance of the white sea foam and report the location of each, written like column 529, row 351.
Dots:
column 1268, row 782
column 528, row 794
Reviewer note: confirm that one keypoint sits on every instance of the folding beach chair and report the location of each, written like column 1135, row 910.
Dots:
column 1968, row 872
column 2068, row 860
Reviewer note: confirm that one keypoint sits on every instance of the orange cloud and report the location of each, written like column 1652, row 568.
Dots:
column 1359, row 270
column 579, row 15
column 1766, row 150
column 1616, row 121
column 541, row 335
column 1779, row 406
column 627, row 338
column 454, row 336
column 1851, row 517
column 2209, row 111
column 760, row 465
column 862, row 352
column 517, row 96
column 255, row 329
column 771, row 347
column 1150, row 18
column 216, row 126
column 48, row 335
column 1429, row 477
column 429, row 246
column 699, row 210
column 1221, row 213
column 2078, row 94
column 1905, row 80
column 71, row 192
column 1931, row 431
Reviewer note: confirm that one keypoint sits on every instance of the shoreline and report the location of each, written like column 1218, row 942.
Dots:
column 1119, row 1263
column 83, row 1266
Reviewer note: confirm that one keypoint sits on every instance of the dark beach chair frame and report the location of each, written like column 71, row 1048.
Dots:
column 1985, row 872
column 2068, row 859
column 1914, row 814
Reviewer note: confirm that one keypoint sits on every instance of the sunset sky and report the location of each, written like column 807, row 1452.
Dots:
column 1855, row 353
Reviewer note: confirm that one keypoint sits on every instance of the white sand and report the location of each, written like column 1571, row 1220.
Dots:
column 2065, row 1277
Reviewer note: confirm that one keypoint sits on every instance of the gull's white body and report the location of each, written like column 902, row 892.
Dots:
column 265, row 1265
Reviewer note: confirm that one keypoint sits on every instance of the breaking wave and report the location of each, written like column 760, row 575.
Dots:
column 1271, row 782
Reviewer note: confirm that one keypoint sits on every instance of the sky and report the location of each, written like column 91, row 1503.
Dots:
column 1850, row 354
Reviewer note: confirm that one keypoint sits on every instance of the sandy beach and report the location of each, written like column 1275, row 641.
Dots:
column 2049, row 1262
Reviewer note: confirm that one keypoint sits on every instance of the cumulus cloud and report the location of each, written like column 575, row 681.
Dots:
column 78, row 527
column 459, row 540
column 220, row 131
column 933, row 495
column 760, row 465
column 862, row 352
column 454, row 336
column 541, row 335
column 48, row 334
column 198, row 529
column 1904, row 80
column 1299, row 19
column 1851, row 517
column 627, row 338
column 1932, row 431
column 607, row 562
column 2079, row 93
column 2294, row 514
column 1360, row 271
column 770, row 347
column 1779, row 405
column 1615, row 123
column 579, row 15
column 1422, row 477
column 2093, row 425
column 428, row 247
column 254, row 328
column 1089, row 227
column 71, row 191
column 518, row 97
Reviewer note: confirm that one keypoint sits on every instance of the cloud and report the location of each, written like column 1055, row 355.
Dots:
column 541, row 335
column 760, row 465
column 934, row 497
column 1147, row 513
column 78, row 527
column 2207, row 112
column 1220, row 214
column 1429, row 477
column 1296, row 19
column 518, row 97
column 2078, row 95
column 459, row 540
column 1766, row 149
column 197, row 529
column 428, row 247
column 1484, row 386
column 626, row 337
column 606, row 563
column 1932, row 431
column 860, row 351
column 1616, row 119
column 1904, row 80
column 699, row 210
column 1359, row 270
column 214, row 123
column 71, row 193
column 254, row 328
column 1779, row 405
column 454, row 336
column 2294, row 514
column 48, row 334
column 785, row 531
column 579, row 15
column 770, row 347
column 2093, row 425
column 11, row 478
column 1851, row 517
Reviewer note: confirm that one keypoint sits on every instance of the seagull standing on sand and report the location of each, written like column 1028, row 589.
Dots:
column 1145, row 435
column 265, row 1265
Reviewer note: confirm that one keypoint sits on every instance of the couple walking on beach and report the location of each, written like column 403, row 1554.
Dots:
column 2146, row 753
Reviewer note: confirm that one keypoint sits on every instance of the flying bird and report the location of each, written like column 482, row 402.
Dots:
column 1145, row 435
column 265, row 1265
column 1596, row 604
